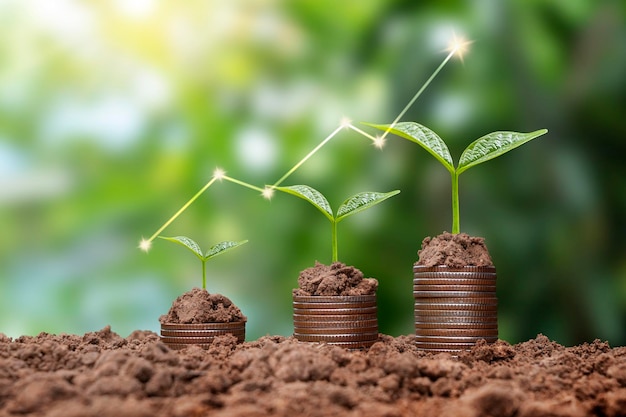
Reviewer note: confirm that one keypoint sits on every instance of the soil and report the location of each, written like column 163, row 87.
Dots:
column 102, row 374
column 336, row 279
column 199, row 306
column 454, row 250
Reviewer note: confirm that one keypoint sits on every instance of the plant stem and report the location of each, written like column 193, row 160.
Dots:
column 204, row 274
column 334, row 237
column 456, row 227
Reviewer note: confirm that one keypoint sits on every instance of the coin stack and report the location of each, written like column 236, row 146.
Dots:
column 454, row 307
column 179, row 336
column 347, row 321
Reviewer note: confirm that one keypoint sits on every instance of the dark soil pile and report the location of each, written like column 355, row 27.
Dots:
column 198, row 306
column 336, row 279
column 102, row 374
column 454, row 250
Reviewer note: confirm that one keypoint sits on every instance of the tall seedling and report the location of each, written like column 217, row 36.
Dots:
column 481, row 150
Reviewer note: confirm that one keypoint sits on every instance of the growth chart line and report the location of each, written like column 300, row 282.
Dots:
column 458, row 46
column 145, row 244
column 310, row 154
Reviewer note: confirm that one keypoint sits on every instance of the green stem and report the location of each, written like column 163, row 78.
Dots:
column 204, row 274
column 334, row 237
column 456, row 227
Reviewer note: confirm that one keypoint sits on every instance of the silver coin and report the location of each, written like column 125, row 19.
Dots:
column 458, row 326
column 347, row 337
column 335, row 331
column 335, row 311
column 204, row 326
column 336, row 324
column 201, row 333
column 321, row 318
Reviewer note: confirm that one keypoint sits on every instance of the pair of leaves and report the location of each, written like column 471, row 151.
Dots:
column 352, row 205
column 481, row 150
column 195, row 248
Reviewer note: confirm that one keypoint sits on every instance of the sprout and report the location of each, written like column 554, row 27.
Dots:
column 483, row 149
column 352, row 205
column 212, row 252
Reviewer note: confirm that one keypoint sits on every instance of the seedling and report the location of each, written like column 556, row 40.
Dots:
column 212, row 252
column 483, row 149
column 352, row 205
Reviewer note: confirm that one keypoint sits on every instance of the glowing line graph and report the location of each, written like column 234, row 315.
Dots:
column 458, row 46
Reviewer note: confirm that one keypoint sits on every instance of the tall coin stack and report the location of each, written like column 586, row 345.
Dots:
column 347, row 321
column 454, row 307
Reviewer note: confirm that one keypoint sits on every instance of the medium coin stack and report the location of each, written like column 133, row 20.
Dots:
column 179, row 336
column 454, row 307
column 347, row 321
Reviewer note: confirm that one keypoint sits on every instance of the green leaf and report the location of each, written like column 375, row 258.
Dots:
column 186, row 242
column 312, row 196
column 493, row 145
column 362, row 201
column 222, row 247
column 424, row 137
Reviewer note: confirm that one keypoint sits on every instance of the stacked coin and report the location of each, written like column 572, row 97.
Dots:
column 179, row 336
column 454, row 307
column 347, row 321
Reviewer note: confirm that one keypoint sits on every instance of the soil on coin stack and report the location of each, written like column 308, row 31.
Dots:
column 454, row 250
column 199, row 306
column 102, row 374
column 334, row 279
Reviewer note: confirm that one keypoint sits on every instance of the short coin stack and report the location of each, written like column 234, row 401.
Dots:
column 454, row 307
column 179, row 336
column 347, row 321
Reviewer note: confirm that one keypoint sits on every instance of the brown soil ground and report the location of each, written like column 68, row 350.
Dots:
column 102, row 374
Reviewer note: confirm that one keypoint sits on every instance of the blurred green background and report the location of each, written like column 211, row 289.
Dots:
column 114, row 113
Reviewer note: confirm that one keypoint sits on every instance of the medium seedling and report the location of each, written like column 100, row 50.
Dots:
column 352, row 205
column 483, row 149
column 212, row 252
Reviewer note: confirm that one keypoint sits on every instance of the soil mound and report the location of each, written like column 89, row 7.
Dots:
column 336, row 279
column 454, row 250
column 198, row 306
column 102, row 374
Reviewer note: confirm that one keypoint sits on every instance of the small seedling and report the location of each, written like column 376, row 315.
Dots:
column 212, row 252
column 483, row 149
column 352, row 205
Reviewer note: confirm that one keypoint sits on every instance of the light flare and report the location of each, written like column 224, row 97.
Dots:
column 219, row 174
column 458, row 46
column 145, row 245
column 268, row 193
column 345, row 122
column 379, row 142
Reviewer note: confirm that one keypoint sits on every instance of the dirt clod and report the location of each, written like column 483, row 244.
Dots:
column 454, row 250
column 199, row 306
column 334, row 279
